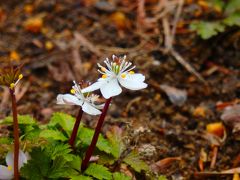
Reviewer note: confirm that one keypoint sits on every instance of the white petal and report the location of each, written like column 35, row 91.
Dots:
column 110, row 88
column 68, row 99
column 22, row 159
column 90, row 109
column 133, row 82
column 93, row 87
column 9, row 159
column 5, row 174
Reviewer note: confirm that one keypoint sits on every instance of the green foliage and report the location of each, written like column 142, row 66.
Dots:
column 120, row 176
column 85, row 135
column 65, row 121
column 81, row 177
column 208, row 29
column 115, row 139
column 52, row 161
column 162, row 178
column 22, row 119
column 135, row 162
column 98, row 171
column 52, row 134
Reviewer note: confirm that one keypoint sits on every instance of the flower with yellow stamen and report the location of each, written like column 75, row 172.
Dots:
column 86, row 101
column 7, row 172
column 117, row 72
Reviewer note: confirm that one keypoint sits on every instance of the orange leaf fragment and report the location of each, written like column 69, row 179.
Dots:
column 14, row 56
column 216, row 129
column 235, row 176
column 199, row 112
column 120, row 20
column 34, row 24
column 28, row 9
column 49, row 45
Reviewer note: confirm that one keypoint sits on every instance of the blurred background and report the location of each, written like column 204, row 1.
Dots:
column 188, row 51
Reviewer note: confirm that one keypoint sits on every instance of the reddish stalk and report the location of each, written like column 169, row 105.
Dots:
column 72, row 139
column 92, row 146
column 15, row 133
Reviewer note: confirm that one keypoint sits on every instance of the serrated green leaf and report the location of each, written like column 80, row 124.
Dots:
column 133, row 159
column 38, row 166
column 233, row 19
column 232, row 6
column 22, row 119
column 81, row 177
column 52, row 134
column 120, row 176
column 85, row 135
column 64, row 120
column 57, row 149
column 98, row 171
column 115, row 139
column 61, row 168
column 207, row 29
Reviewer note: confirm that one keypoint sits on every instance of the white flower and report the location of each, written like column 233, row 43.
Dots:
column 117, row 72
column 78, row 98
column 7, row 172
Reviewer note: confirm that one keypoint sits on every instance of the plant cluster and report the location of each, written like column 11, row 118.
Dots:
column 64, row 147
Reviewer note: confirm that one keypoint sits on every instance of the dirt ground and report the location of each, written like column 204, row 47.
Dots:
column 61, row 41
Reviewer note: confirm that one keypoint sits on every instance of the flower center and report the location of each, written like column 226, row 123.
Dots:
column 9, row 168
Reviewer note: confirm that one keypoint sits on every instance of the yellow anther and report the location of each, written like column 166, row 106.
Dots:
column 9, row 168
column 103, row 69
column 20, row 76
column 123, row 75
column 104, row 76
column 131, row 72
column 12, row 85
column 72, row 91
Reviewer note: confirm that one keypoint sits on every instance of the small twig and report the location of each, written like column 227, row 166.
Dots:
column 185, row 64
column 122, row 50
column 214, row 156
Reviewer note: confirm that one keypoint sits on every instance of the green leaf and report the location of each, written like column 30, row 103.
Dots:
column 64, row 120
column 133, row 159
column 120, row 176
column 81, row 177
column 233, row 19
column 232, row 6
column 22, row 119
column 38, row 166
column 52, row 134
column 61, row 168
column 58, row 149
column 86, row 134
column 162, row 177
column 98, row 171
column 5, row 140
column 207, row 29
column 115, row 138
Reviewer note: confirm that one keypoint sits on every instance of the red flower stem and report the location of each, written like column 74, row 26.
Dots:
column 95, row 136
column 72, row 139
column 15, row 133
